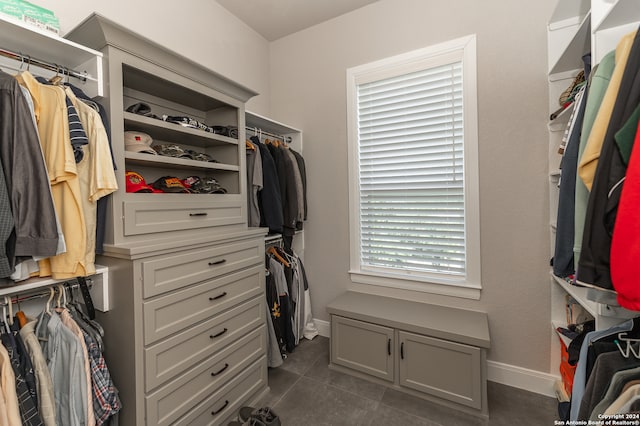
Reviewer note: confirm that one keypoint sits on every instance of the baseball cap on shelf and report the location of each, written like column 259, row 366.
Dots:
column 169, row 184
column 171, row 150
column 138, row 142
column 136, row 183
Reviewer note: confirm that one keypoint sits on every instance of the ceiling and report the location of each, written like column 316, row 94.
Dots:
column 274, row 19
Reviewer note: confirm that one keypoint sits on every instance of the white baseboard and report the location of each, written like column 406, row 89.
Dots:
column 324, row 327
column 506, row 374
column 522, row 378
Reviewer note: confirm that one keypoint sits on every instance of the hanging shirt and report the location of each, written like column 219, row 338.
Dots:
column 46, row 401
column 8, row 385
column 53, row 127
column 26, row 401
column 65, row 359
column 589, row 160
column 95, row 172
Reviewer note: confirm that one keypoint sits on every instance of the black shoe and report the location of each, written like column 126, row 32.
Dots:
column 264, row 415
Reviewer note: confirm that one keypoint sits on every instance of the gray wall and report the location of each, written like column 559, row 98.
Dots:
column 308, row 91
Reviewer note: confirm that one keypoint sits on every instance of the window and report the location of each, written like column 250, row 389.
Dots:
column 413, row 171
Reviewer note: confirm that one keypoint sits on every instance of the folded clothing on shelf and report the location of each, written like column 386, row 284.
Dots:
column 141, row 108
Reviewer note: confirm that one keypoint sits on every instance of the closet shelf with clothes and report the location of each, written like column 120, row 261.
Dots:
column 53, row 370
column 99, row 288
column 276, row 180
column 54, row 53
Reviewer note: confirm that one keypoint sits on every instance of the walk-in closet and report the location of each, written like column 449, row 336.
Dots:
column 283, row 212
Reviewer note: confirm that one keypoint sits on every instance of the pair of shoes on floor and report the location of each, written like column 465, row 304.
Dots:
column 251, row 416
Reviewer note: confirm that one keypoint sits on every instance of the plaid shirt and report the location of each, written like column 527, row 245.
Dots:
column 105, row 395
column 27, row 403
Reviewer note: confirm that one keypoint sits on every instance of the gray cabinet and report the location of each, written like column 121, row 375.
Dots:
column 186, row 334
column 430, row 351
column 365, row 347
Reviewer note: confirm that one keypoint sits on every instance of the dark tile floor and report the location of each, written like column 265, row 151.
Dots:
column 304, row 392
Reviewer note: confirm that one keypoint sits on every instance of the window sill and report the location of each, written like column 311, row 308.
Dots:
column 454, row 290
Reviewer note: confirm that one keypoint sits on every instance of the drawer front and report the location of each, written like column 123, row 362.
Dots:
column 179, row 397
column 449, row 370
column 362, row 346
column 172, row 272
column 226, row 401
column 171, row 357
column 173, row 312
column 147, row 217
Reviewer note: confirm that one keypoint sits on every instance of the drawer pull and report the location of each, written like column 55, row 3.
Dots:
column 214, row 412
column 221, row 370
column 402, row 350
column 220, row 296
column 197, row 214
column 213, row 336
column 389, row 346
column 217, row 262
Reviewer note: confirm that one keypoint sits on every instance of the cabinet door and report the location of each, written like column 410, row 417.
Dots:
column 362, row 346
column 441, row 368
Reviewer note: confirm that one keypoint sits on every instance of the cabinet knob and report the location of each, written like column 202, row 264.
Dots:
column 221, row 370
column 402, row 350
column 214, row 412
column 213, row 336
column 217, row 262
column 389, row 346
column 220, row 296
column 197, row 214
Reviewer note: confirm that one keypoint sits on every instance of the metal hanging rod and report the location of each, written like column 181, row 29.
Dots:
column 259, row 132
column 40, row 292
column 28, row 60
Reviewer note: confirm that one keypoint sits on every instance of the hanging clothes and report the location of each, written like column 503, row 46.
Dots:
column 269, row 199
column 254, row 183
column 52, row 118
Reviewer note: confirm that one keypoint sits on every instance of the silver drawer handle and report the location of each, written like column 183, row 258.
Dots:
column 217, row 262
column 220, row 296
column 213, row 336
column 221, row 370
column 214, row 412
column 197, row 214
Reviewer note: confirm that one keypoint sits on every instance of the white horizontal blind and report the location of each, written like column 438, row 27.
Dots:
column 411, row 172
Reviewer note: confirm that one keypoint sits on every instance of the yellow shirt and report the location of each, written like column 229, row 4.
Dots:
column 53, row 126
column 591, row 154
column 95, row 172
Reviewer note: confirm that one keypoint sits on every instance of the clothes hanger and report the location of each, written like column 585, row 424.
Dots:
column 272, row 250
column 249, row 145
column 4, row 316
column 10, row 306
column 56, row 79
column 629, row 348
column 47, row 307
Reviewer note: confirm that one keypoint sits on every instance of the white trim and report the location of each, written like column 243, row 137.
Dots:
column 324, row 327
column 362, row 282
column 522, row 378
column 464, row 49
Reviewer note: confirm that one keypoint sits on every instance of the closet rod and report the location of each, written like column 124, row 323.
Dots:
column 23, row 58
column 259, row 132
column 39, row 293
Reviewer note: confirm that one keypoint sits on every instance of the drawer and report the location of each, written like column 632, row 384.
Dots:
column 179, row 397
column 226, row 401
column 146, row 217
column 173, row 312
column 172, row 272
column 171, row 357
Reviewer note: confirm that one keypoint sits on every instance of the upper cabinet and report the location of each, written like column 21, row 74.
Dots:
column 192, row 121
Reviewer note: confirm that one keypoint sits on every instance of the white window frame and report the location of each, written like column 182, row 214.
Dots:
column 461, row 49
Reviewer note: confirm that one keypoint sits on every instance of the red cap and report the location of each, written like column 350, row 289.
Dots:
column 136, row 183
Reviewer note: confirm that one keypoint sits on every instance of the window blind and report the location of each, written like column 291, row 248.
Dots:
column 411, row 171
